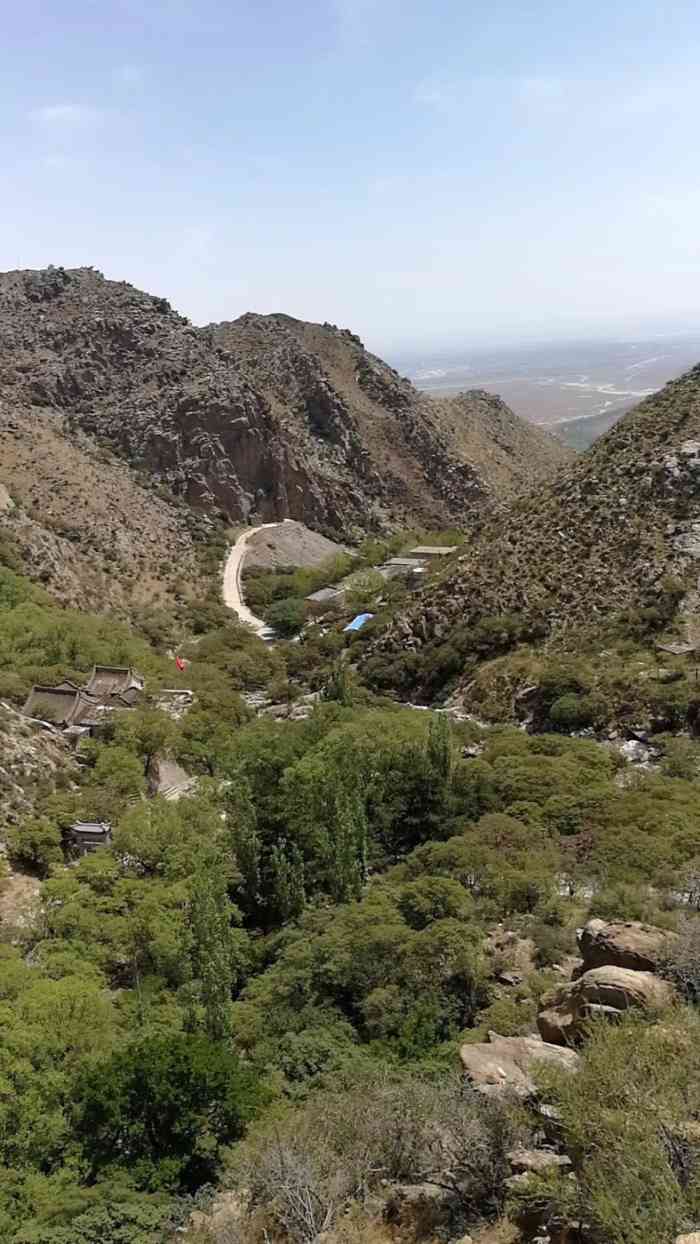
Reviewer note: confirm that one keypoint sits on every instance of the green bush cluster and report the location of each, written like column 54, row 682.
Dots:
column 626, row 1119
column 265, row 589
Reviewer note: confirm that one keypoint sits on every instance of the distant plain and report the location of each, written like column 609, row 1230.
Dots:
column 577, row 389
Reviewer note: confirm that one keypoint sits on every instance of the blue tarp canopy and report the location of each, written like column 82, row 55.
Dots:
column 358, row 622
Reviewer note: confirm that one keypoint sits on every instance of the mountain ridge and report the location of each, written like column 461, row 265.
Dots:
column 609, row 534
column 263, row 417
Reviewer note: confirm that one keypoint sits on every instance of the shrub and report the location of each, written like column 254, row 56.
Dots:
column 434, row 898
column 681, row 757
column 552, row 943
column 576, row 712
column 622, row 1120
column 287, row 616
column 628, row 902
column 513, row 1015
column 303, row 1169
column 682, row 964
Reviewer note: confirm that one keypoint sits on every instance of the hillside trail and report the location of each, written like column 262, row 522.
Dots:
column 233, row 592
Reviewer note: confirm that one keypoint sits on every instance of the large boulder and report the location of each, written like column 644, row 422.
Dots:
column 504, row 1065
column 604, row 992
column 535, row 1161
column 624, row 944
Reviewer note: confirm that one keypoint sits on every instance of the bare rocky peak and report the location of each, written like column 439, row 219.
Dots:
column 266, row 416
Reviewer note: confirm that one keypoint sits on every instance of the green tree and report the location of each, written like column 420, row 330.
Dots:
column 287, row 616
column 439, row 746
column 338, row 686
column 347, row 854
column 287, row 891
column 146, row 732
column 35, row 844
column 116, row 778
column 164, row 1108
column 164, row 839
column 212, row 947
column 244, row 839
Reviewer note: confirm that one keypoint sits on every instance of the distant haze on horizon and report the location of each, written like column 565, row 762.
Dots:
column 423, row 173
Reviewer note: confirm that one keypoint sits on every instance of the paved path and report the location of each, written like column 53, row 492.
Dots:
column 174, row 781
column 233, row 592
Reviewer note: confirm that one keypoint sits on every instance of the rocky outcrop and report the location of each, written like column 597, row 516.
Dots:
column 603, row 992
column 624, row 944
column 264, row 416
column 504, row 1065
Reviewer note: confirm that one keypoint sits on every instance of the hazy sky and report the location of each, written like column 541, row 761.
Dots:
column 423, row 171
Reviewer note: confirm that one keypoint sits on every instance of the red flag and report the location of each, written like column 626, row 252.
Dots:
column 181, row 665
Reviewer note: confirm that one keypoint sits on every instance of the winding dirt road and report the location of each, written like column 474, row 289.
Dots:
column 233, row 592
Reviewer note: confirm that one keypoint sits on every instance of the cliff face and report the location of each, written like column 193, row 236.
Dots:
column 264, row 417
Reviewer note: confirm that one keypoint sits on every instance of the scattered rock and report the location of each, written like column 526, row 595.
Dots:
column 636, row 752
column 225, row 1211
column 536, row 1160
column 175, row 702
column 504, row 1065
column 512, row 956
column 604, row 992
column 510, row 978
column 421, row 1208
column 472, row 751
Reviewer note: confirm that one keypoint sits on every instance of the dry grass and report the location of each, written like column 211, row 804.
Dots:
column 88, row 529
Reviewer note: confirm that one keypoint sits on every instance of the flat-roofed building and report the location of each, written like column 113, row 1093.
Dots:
column 433, row 552
column 401, row 566
column 326, row 598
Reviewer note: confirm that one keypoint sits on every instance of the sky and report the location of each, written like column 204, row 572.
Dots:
column 425, row 172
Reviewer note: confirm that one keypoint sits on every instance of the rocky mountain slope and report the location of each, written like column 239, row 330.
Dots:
column 431, row 459
column 264, row 416
column 605, row 536
column 81, row 521
column 30, row 764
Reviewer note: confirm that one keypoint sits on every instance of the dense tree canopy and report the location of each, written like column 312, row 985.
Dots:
column 314, row 913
